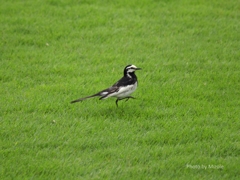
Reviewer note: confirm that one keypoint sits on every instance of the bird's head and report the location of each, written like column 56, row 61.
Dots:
column 130, row 69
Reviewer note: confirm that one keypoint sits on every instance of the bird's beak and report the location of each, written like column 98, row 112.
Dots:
column 138, row 68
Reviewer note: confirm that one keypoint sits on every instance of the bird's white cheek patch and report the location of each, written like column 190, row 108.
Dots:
column 130, row 70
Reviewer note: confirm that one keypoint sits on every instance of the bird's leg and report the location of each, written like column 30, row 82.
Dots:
column 117, row 102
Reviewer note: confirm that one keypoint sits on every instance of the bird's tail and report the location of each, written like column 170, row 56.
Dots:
column 81, row 99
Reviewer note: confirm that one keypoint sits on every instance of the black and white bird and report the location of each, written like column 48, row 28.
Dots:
column 121, row 89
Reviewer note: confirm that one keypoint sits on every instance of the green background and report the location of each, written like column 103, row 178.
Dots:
column 184, row 123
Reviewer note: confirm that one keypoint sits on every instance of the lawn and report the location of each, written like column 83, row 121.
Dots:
column 184, row 122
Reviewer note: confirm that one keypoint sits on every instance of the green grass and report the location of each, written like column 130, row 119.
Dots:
column 184, row 123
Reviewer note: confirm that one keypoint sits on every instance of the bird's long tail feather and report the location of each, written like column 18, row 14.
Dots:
column 81, row 99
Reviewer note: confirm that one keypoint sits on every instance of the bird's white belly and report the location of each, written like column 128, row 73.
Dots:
column 125, row 91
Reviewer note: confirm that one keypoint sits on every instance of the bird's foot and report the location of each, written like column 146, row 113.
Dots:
column 127, row 98
column 130, row 97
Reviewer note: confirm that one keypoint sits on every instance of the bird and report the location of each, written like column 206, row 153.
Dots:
column 122, row 89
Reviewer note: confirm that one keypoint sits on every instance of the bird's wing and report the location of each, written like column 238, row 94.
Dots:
column 124, row 81
column 106, row 92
